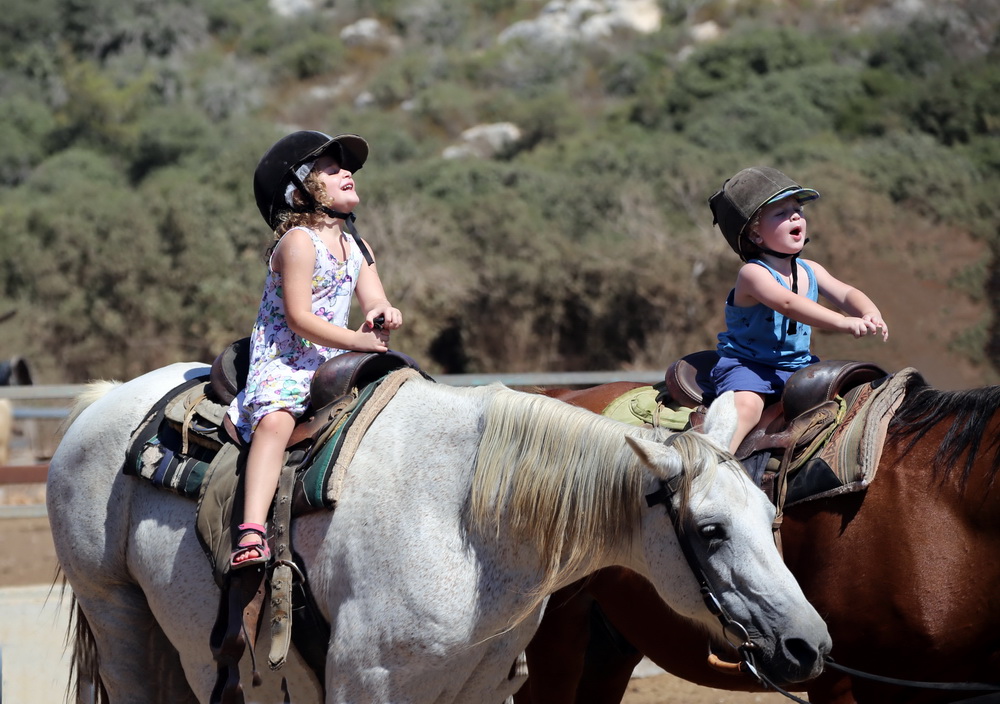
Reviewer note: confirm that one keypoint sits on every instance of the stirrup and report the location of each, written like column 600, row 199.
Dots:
column 262, row 549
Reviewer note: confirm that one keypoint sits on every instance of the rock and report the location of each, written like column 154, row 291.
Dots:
column 563, row 22
column 369, row 32
column 484, row 141
column 292, row 8
column 705, row 32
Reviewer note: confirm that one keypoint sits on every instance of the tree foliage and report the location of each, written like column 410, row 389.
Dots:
column 129, row 133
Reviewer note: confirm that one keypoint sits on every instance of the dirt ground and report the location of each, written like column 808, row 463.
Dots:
column 28, row 558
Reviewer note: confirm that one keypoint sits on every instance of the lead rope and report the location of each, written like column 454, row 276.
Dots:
column 956, row 686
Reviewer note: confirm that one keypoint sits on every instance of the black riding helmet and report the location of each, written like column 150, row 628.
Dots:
column 276, row 169
column 275, row 172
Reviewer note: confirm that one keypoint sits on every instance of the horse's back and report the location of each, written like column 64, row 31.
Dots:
column 93, row 446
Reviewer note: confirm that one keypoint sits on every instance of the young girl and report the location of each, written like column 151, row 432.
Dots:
column 768, row 318
column 304, row 187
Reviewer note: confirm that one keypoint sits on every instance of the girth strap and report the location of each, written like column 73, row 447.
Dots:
column 281, row 577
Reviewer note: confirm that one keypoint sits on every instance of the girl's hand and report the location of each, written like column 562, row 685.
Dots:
column 392, row 318
column 372, row 339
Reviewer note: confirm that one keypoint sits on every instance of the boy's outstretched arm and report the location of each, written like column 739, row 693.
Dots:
column 755, row 284
column 852, row 301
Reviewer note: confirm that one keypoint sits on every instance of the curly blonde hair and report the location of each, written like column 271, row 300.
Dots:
column 289, row 219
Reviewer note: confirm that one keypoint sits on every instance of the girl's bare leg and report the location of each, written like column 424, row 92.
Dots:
column 264, row 460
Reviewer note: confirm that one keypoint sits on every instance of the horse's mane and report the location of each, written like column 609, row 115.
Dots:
column 586, row 502
column 971, row 414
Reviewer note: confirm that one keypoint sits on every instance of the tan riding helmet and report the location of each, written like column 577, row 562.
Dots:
column 741, row 196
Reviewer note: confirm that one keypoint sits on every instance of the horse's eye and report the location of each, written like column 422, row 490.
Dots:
column 713, row 532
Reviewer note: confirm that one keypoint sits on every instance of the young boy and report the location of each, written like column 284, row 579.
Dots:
column 768, row 319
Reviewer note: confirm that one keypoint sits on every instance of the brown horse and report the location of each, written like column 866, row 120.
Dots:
column 906, row 574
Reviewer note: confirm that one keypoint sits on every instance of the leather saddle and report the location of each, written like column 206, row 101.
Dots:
column 335, row 380
column 806, row 399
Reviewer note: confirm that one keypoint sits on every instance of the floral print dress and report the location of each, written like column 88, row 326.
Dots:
column 282, row 363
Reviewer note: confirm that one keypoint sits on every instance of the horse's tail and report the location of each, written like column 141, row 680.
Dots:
column 93, row 391
column 85, row 677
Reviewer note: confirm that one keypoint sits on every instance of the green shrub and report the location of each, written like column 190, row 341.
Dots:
column 960, row 104
column 916, row 170
column 25, row 129
column 400, row 79
column 312, row 54
column 230, row 21
column 760, row 118
column 23, row 24
column 914, row 50
column 725, row 67
column 167, row 135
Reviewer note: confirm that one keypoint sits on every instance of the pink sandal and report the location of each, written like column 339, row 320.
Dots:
column 244, row 546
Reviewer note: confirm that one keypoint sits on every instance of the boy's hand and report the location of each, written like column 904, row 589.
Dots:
column 859, row 327
column 879, row 324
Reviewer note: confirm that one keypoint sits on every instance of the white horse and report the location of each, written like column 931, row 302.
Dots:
column 461, row 511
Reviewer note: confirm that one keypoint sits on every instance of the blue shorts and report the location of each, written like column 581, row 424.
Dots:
column 731, row 374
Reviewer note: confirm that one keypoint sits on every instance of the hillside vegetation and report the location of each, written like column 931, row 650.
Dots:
column 579, row 238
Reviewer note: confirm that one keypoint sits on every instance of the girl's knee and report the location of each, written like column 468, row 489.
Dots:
column 276, row 422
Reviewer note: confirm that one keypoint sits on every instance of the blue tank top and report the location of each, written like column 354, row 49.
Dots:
column 759, row 334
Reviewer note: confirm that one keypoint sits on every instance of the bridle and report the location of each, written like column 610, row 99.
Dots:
column 736, row 633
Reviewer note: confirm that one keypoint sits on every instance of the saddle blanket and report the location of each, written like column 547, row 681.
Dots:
column 178, row 455
column 157, row 451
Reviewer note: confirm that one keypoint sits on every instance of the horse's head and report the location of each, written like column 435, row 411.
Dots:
column 705, row 510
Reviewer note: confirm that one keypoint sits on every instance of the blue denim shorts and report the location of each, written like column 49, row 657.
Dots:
column 731, row 374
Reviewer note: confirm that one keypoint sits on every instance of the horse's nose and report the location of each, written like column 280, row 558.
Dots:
column 803, row 657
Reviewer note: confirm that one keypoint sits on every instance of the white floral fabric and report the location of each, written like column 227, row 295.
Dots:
column 282, row 363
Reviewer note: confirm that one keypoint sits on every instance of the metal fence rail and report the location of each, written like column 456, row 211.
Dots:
column 38, row 407
column 67, row 392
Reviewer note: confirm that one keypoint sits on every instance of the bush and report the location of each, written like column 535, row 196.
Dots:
column 166, row 135
column 917, row 171
column 722, row 68
column 959, row 105
column 23, row 24
column 25, row 129
column 915, row 50
column 312, row 54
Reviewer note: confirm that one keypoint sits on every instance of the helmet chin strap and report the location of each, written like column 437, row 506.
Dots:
column 348, row 218
column 792, row 324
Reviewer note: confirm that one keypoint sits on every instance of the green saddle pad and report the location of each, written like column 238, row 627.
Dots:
column 641, row 406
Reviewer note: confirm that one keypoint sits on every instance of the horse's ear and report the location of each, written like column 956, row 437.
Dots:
column 721, row 419
column 663, row 461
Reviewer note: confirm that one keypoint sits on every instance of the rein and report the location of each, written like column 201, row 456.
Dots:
column 963, row 686
column 736, row 633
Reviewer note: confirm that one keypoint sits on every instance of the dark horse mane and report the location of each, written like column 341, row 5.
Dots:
column 970, row 412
